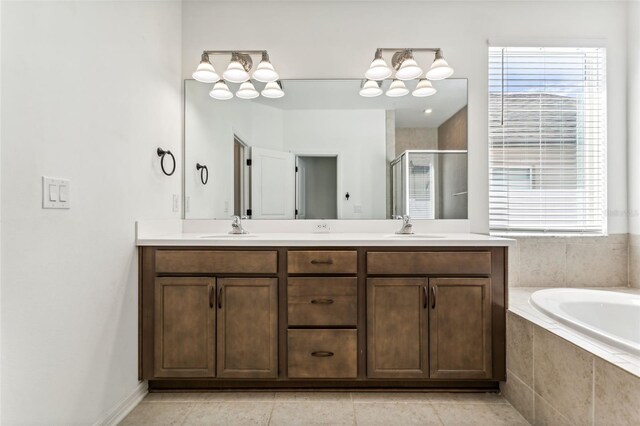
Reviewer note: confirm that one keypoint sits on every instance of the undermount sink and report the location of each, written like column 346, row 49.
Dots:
column 229, row 236
column 421, row 236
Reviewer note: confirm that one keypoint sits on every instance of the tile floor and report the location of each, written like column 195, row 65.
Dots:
column 324, row 408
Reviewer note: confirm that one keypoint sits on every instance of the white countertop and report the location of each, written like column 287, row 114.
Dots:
column 292, row 233
column 324, row 240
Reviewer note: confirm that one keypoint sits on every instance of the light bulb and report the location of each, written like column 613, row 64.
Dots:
column 370, row 89
column 408, row 70
column 424, row 89
column 235, row 72
column 247, row 91
column 397, row 89
column 272, row 90
column 205, row 73
column 440, row 69
column 221, row 91
column 265, row 72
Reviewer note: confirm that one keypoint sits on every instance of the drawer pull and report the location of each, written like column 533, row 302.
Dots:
column 322, row 262
column 322, row 354
column 322, row 301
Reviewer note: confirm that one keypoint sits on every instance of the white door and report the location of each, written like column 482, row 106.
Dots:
column 272, row 184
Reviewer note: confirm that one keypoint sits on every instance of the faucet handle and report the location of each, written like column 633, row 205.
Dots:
column 406, row 219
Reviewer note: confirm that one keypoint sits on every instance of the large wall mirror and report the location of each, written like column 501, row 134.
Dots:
column 324, row 152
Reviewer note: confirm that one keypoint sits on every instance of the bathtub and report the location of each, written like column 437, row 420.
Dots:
column 609, row 316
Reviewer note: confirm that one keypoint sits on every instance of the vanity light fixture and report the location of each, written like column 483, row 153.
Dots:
column 406, row 68
column 370, row 89
column 239, row 72
column 205, row 73
column 247, row 91
column 221, row 91
column 397, row 89
column 424, row 89
column 238, row 69
column 378, row 70
column 440, row 69
column 273, row 90
column 265, row 72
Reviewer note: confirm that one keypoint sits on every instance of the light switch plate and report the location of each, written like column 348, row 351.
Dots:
column 55, row 193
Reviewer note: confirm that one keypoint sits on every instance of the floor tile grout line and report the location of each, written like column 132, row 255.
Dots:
column 273, row 406
column 186, row 416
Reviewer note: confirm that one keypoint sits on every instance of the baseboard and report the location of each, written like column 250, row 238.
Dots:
column 116, row 414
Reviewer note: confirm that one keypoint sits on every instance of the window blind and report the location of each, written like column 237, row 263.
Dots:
column 547, row 140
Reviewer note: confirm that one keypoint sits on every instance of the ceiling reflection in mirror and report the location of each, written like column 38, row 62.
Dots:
column 324, row 152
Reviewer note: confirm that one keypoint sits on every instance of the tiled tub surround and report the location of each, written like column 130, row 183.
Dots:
column 575, row 261
column 557, row 376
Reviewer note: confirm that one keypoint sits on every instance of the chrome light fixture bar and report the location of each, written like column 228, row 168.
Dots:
column 406, row 68
column 239, row 72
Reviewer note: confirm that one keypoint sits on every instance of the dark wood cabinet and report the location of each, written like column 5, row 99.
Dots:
column 185, row 324
column 322, row 317
column 460, row 328
column 247, row 327
column 397, row 328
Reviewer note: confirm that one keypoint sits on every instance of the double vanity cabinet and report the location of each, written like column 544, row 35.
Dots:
column 369, row 316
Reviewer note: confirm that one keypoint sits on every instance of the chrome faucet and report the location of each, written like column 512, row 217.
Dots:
column 236, row 226
column 407, row 226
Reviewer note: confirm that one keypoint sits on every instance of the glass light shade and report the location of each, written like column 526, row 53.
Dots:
column 265, row 72
column 247, row 91
column 397, row 89
column 370, row 89
column 408, row 70
column 424, row 89
column 272, row 90
column 379, row 70
column 221, row 91
column 235, row 73
column 439, row 70
column 205, row 73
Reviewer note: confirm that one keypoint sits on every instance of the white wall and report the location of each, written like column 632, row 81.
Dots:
column 338, row 39
column 358, row 137
column 89, row 91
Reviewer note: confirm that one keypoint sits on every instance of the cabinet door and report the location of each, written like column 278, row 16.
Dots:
column 185, row 324
column 397, row 328
column 460, row 328
column 247, row 327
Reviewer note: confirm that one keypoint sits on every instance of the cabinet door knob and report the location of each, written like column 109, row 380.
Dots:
column 322, row 354
column 322, row 301
column 211, row 297
column 220, row 297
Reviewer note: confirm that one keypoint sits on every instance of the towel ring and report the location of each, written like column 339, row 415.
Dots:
column 161, row 153
column 204, row 173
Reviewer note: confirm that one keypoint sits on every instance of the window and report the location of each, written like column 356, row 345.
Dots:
column 547, row 141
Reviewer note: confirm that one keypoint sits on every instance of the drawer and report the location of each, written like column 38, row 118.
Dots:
column 427, row 263
column 323, row 354
column 220, row 262
column 322, row 262
column 322, row 301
